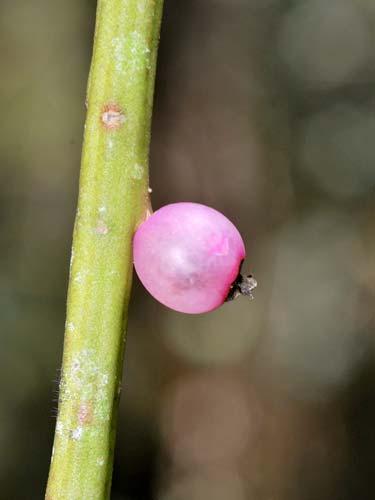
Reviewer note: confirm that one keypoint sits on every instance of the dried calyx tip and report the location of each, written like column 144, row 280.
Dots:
column 244, row 285
column 247, row 285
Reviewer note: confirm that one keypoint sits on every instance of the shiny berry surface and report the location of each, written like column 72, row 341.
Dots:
column 187, row 256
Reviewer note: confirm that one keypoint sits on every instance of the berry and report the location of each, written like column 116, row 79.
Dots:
column 188, row 256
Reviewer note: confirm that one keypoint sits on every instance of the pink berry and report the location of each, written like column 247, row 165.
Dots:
column 188, row 256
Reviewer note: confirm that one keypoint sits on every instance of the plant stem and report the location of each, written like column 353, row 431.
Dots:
column 113, row 198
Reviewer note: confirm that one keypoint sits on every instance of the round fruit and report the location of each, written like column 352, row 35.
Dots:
column 188, row 256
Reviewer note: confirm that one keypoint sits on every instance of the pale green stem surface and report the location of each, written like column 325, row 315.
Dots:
column 113, row 198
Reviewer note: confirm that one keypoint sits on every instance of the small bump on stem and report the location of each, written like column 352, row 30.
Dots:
column 112, row 116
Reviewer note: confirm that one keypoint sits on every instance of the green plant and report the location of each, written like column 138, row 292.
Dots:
column 113, row 198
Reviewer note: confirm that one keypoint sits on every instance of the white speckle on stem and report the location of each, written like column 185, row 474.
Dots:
column 77, row 433
column 78, row 278
column 102, row 209
column 100, row 461
column 70, row 327
column 138, row 172
column 83, row 366
column 72, row 258
column 136, row 45
column 59, row 428
column 118, row 44
column 141, row 5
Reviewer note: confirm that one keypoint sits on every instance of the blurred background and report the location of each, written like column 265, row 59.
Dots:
column 265, row 110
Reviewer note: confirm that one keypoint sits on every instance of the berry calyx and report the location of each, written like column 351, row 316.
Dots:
column 243, row 285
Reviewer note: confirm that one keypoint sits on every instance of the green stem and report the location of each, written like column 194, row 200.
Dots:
column 113, row 198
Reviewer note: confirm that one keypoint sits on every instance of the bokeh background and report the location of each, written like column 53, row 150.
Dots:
column 265, row 110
